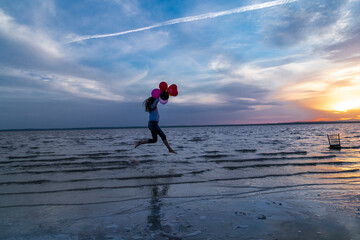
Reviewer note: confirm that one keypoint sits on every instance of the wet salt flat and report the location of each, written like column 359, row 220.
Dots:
column 232, row 182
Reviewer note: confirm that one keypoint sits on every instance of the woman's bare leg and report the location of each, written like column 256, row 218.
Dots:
column 150, row 141
column 168, row 146
column 142, row 142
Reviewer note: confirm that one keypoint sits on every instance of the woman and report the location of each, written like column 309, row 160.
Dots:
column 150, row 105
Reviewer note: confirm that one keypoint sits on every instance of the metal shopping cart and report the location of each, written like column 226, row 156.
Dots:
column 334, row 141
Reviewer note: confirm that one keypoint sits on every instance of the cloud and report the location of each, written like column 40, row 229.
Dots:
column 332, row 87
column 267, row 74
column 13, row 35
column 286, row 63
column 39, row 84
column 83, row 88
column 70, row 114
column 148, row 42
column 200, row 99
column 348, row 50
column 315, row 21
column 330, row 75
column 188, row 19
column 129, row 7
column 32, row 59
column 225, row 101
column 219, row 63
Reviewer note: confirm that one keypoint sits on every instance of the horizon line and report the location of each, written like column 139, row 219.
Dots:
column 183, row 126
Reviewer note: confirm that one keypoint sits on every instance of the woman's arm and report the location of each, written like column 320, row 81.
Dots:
column 153, row 106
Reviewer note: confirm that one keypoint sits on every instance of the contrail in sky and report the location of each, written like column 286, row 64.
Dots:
column 189, row 19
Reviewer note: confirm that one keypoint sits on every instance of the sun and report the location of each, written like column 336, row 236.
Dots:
column 346, row 105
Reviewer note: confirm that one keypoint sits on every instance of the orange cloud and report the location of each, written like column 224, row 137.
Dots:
column 336, row 116
column 332, row 92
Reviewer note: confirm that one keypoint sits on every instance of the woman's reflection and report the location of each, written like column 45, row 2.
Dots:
column 154, row 219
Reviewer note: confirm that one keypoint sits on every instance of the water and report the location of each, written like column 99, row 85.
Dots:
column 83, row 184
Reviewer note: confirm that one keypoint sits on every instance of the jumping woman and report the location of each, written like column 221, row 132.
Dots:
column 150, row 106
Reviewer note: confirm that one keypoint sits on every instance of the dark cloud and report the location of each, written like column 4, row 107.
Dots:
column 231, row 113
column 197, row 114
column 75, row 112
column 240, row 105
column 70, row 114
column 24, row 89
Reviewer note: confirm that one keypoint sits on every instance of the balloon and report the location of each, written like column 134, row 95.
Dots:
column 174, row 93
column 156, row 93
column 163, row 86
column 173, row 86
column 171, row 90
column 163, row 101
column 164, row 96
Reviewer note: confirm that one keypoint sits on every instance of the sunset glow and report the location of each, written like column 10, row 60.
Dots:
column 332, row 89
column 347, row 105
column 233, row 61
column 343, row 99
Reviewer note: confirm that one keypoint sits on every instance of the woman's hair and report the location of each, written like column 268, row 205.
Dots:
column 147, row 104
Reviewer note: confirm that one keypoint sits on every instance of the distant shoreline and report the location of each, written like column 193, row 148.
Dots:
column 179, row 126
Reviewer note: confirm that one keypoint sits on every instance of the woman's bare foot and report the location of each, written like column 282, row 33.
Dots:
column 172, row 151
column 137, row 144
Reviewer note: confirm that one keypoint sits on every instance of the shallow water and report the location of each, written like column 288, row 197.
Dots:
column 77, row 184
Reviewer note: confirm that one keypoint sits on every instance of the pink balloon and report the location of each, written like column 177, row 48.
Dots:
column 163, row 101
column 156, row 93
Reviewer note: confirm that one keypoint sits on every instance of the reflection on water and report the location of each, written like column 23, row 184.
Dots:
column 154, row 219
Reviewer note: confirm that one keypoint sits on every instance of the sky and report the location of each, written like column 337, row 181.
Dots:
column 74, row 64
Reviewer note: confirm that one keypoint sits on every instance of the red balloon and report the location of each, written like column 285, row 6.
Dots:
column 163, row 86
column 174, row 93
column 173, row 86
column 172, row 89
